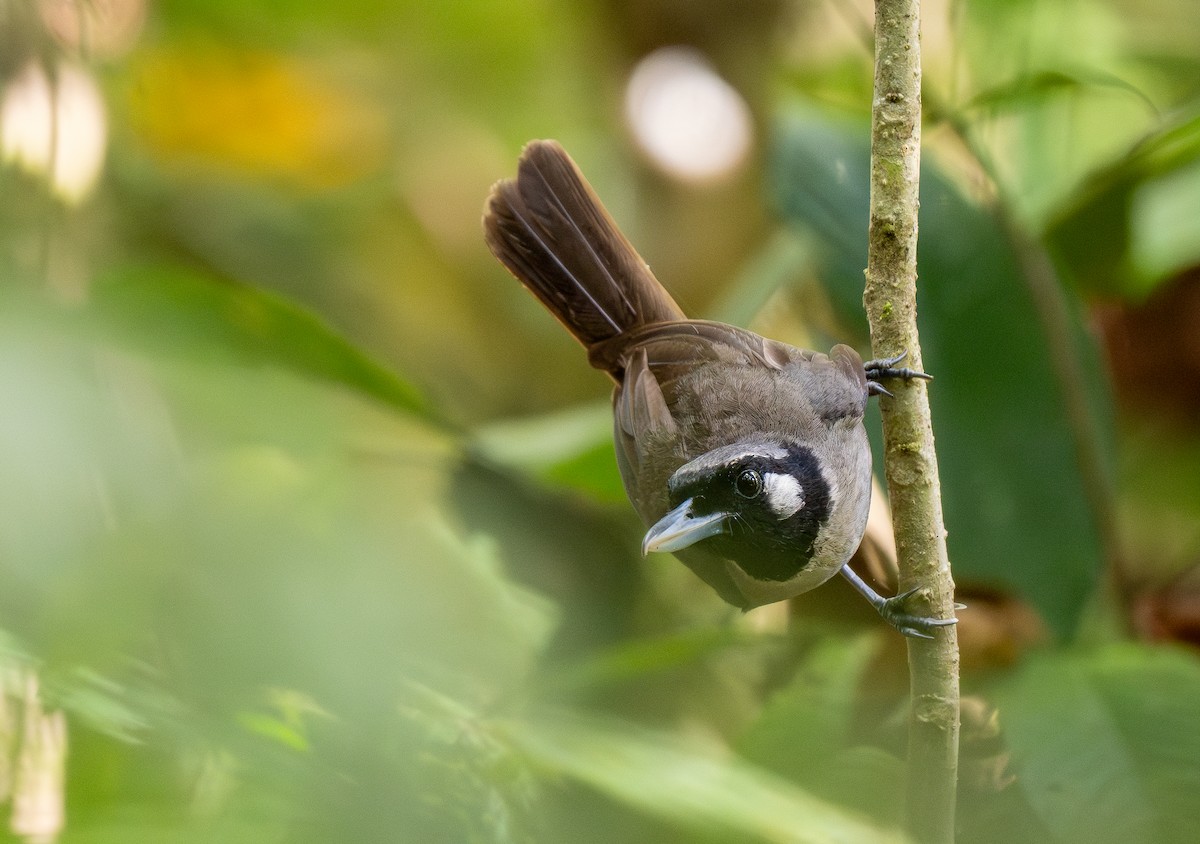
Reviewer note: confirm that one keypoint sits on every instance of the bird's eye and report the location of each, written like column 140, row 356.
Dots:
column 749, row 484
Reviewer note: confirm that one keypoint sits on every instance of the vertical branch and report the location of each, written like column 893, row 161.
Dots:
column 909, row 459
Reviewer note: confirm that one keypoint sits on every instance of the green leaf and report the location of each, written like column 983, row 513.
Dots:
column 1165, row 230
column 1129, row 226
column 178, row 313
column 583, row 557
column 808, row 731
column 1006, row 450
column 1106, row 745
column 785, row 256
column 631, row 660
column 273, row 527
column 571, row 448
column 692, row 786
column 1032, row 87
column 130, row 821
column 811, row 718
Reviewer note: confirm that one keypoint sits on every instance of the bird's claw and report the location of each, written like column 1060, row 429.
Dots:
column 894, row 611
column 877, row 370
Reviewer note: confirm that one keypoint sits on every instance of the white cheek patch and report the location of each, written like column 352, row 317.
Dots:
column 784, row 494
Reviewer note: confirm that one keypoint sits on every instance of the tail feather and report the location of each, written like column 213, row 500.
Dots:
column 551, row 231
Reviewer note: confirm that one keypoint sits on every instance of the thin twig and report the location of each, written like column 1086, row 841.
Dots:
column 910, row 462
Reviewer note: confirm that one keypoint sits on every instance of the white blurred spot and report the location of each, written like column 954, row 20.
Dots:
column 689, row 120
column 39, row 781
column 60, row 128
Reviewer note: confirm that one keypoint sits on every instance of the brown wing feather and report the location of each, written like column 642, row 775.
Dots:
column 641, row 411
column 550, row 230
column 686, row 343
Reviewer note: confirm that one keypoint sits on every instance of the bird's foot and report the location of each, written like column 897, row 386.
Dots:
column 894, row 610
column 877, row 370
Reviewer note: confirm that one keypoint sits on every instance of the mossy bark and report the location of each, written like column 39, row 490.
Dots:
column 910, row 462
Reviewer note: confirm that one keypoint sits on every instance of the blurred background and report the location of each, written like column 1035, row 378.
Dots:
column 310, row 528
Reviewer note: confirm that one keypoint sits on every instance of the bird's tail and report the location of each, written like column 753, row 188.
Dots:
column 549, row 228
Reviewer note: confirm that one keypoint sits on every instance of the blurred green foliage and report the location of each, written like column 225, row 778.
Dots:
column 309, row 520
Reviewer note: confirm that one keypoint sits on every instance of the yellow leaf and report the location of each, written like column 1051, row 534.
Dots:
column 259, row 112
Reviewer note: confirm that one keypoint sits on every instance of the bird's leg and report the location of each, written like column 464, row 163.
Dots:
column 877, row 370
column 893, row 609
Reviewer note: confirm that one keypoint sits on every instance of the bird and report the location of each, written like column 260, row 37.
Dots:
column 745, row 457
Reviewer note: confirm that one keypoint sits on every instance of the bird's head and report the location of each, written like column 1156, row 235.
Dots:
column 760, row 503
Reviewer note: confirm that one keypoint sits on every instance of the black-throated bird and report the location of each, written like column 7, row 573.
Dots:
column 747, row 457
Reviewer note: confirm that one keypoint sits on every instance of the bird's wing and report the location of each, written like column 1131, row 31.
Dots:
column 653, row 360
column 675, row 347
column 642, row 421
column 650, row 359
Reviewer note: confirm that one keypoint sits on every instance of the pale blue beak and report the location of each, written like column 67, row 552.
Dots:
column 681, row 528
